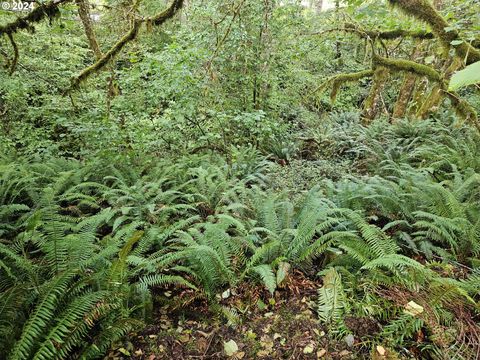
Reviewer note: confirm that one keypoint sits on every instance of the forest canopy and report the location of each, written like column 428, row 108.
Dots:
column 245, row 179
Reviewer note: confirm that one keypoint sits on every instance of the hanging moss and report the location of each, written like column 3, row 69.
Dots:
column 424, row 11
column 338, row 80
column 48, row 10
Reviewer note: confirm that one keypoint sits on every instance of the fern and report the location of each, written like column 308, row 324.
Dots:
column 267, row 275
column 332, row 302
column 41, row 316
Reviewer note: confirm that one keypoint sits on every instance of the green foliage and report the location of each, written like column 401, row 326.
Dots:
column 465, row 77
column 331, row 297
column 203, row 158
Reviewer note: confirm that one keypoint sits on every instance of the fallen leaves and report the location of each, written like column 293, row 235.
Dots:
column 321, row 353
column 308, row 349
column 381, row 350
column 230, row 348
column 412, row 308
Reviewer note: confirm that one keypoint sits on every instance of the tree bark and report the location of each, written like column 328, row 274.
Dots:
column 84, row 13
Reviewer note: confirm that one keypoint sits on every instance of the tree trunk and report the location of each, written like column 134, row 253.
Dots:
column 84, row 13
column 373, row 104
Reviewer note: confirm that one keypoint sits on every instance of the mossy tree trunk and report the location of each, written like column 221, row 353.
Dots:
column 437, row 94
column 84, row 14
column 407, row 88
column 373, row 103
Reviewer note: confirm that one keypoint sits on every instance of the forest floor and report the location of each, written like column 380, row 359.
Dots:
column 281, row 327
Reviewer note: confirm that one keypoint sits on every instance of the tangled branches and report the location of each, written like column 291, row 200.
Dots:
column 157, row 20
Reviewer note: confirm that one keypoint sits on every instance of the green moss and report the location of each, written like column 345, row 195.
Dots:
column 48, row 10
column 129, row 36
column 370, row 106
column 400, row 33
column 404, row 96
column 400, row 65
column 437, row 94
column 424, row 11
column 388, row 35
column 338, row 80
column 463, row 109
column 110, row 54
column 14, row 62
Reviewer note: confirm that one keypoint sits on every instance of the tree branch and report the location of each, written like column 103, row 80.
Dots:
column 49, row 10
column 424, row 11
column 158, row 19
column 463, row 108
column 14, row 62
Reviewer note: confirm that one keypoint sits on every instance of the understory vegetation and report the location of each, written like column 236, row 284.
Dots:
column 186, row 169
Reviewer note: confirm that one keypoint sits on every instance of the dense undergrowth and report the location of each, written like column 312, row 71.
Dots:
column 389, row 224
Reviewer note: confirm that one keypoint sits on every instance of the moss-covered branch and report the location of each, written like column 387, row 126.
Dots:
column 400, row 65
column 389, row 34
column 381, row 35
column 400, row 33
column 13, row 64
column 158, row 19
column 338, row 80
column 47, row 10
column 462, row 108
column 424, row 11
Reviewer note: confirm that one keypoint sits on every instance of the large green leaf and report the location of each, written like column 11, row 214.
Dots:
column 468, row 76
